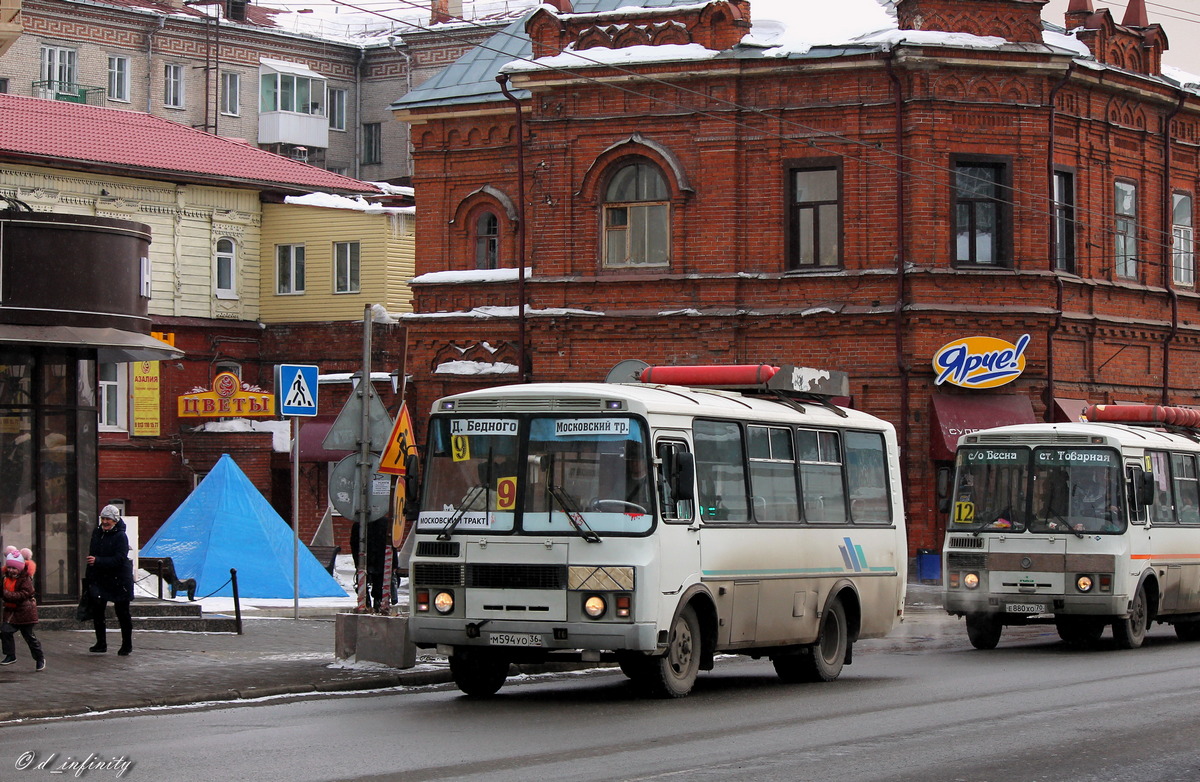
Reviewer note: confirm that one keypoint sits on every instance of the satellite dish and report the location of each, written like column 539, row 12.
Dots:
column 626, row 371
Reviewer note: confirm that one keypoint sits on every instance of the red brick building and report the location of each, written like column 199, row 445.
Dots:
column 691, row 185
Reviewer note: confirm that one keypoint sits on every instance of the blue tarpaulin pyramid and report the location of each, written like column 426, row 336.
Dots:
column 227, row 523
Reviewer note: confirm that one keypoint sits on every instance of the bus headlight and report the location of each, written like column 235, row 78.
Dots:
column 444, row 602
column 971, row 580
column 594, row 606
column 1083, row 583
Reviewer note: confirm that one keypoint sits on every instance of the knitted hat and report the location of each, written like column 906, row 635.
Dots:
column 14, row 560
column 110, row 512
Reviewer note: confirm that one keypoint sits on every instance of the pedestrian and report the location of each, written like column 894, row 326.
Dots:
column 110, row 578
column 20, row 611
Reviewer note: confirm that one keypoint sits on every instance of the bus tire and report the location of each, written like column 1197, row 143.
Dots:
column 478, row 676
column 1080, row 631
column 983, row 630
column 674, row 674
column 1131, row 631
column 638, row 668
column 823, row 661
column 1187, row 631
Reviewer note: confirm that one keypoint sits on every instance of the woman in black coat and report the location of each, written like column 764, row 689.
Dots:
column 110, row 578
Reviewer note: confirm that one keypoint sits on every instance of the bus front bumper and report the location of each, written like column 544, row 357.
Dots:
column 533, row 637
column 1022, row 607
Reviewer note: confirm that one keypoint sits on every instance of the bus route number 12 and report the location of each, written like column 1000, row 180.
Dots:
column 964, row 512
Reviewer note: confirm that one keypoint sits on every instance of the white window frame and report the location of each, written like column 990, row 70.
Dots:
column 231, row 94
column 118, row 78
column 60, row 66
column 634, row 229
column 1183, row 261
column 294, row 262
column 112, row 402
column 347, row 258
column 225, row 257
column 1125, row 242
column 173, row 85
column 291, row 92
column 337, row 109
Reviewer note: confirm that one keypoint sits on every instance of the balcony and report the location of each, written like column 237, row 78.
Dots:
column 68, row 91
column 10, row 23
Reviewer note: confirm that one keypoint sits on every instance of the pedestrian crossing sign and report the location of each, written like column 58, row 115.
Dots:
column 296, row 389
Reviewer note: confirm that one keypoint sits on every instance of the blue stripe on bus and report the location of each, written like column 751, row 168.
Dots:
column 805, row 571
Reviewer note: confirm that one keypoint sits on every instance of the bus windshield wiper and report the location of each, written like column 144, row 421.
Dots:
column 574, row 515
column 472, row 495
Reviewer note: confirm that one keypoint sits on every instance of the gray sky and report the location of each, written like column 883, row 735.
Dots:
column 1180, row 19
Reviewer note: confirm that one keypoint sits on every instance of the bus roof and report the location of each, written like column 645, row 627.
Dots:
column 1082, row 433
column 650, row 399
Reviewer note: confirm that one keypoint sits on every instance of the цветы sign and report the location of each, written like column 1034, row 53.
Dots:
column 226, row 399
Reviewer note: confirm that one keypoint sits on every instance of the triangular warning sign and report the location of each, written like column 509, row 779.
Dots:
column 299, row 395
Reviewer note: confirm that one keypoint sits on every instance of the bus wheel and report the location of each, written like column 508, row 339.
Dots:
column 674, row 673
column 1081, row 631
column 1131, row 631
column 477, row 675
column 1188, row 631
column 984, row 630
column 823, row 661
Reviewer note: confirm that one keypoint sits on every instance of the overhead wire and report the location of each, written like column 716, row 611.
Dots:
column 1050, row 211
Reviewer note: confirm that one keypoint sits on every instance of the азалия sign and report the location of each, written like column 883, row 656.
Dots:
column 980, row 362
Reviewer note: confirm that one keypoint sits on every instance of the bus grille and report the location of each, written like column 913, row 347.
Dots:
column 970, row 542
column 516, row 576
column 437, row 573
column 444, row 549
column 964, row 561
column 1029, row 438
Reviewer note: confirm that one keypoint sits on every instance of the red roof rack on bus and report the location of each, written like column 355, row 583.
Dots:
column 1143, row 415
column 819, row 386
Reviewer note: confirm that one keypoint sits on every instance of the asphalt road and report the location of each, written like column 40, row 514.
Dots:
column 921, row 705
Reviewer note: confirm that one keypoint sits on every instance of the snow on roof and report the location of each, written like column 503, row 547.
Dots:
column 281, row 432
column 331, row 201
column 473, row 275
column 474, row 368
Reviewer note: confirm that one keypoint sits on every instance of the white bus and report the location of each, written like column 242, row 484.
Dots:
column 1083, row 525
column 656, row 525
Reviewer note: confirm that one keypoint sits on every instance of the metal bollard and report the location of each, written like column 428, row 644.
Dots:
column 237, row 606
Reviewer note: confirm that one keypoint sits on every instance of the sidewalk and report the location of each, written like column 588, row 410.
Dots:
column 275, row 655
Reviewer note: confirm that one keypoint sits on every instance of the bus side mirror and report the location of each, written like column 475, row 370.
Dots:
column 1146, row 487
column 684, row 478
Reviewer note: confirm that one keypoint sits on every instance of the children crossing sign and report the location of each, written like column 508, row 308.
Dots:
column 296, row 389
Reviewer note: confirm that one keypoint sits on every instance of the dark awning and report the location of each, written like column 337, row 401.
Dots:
column 114, row 346
column 312, row 437
column 954, row 416
column 1067, row 410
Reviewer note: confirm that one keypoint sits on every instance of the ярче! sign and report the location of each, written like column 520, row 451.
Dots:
column 980, row 362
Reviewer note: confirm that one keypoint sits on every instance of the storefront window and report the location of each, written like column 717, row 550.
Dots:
column 48, row 461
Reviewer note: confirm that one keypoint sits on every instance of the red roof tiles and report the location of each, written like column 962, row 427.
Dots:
column 74, row 136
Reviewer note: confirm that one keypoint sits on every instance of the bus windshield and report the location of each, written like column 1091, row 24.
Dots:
column 570, row 475
column 1049, row 489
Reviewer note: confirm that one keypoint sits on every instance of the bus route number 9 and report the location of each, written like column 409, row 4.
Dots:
column 460, row 448
column 506, row 493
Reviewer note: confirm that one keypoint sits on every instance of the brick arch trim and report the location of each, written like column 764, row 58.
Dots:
column 637, row 144
column 475, row 196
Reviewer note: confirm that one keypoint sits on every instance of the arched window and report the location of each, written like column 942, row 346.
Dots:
column 637, row 217
column 487, row 241
column 226, row 268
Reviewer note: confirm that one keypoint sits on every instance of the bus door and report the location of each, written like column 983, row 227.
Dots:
column 1174, row 540
column 679, row 556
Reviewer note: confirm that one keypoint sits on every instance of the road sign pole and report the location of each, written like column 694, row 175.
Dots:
column 364, row 464
column 295, row 517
